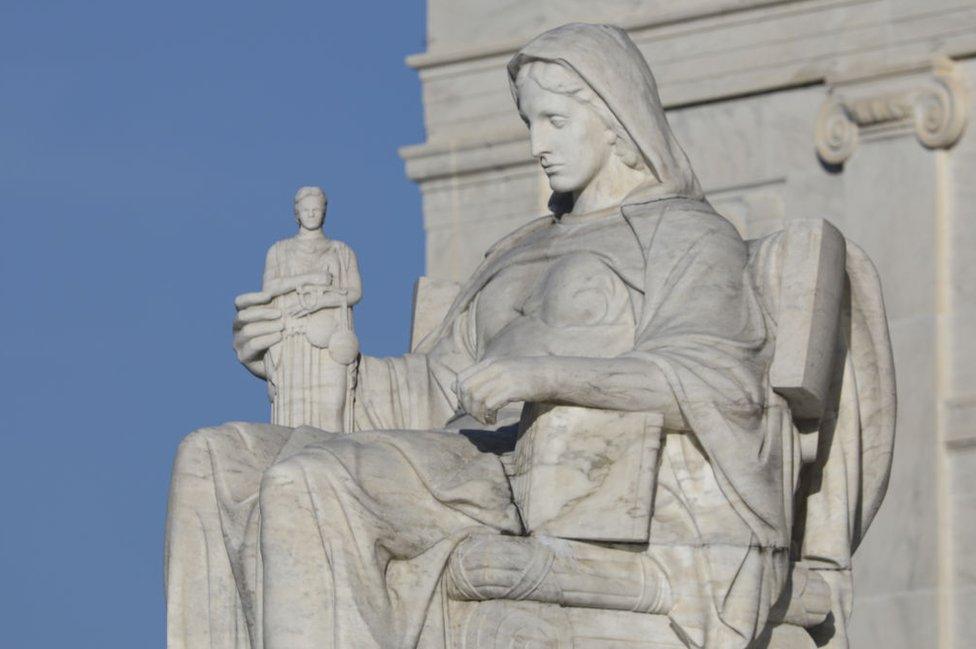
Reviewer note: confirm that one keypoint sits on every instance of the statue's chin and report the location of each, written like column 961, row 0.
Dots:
column 561, row 186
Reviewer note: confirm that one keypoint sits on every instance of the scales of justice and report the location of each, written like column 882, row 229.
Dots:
column 313, row 282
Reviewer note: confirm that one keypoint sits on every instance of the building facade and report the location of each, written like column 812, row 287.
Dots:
column 849, row 110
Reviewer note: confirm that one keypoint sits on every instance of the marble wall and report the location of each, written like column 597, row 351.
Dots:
column 884, row 89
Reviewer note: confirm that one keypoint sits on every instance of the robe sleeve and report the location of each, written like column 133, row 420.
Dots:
column 703, row 327
column 414, row 391
column 349, row 269
column 272, row 269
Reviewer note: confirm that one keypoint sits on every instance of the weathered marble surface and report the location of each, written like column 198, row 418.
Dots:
column 639, row 330
column 431, row 300
column 587, row 474
column 745, row 84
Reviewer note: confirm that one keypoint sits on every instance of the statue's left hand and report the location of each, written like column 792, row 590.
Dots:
column 486, row 387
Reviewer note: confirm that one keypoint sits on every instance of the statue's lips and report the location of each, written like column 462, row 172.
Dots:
column 552, row 168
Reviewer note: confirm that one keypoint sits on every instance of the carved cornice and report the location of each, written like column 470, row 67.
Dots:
column 659, row 15
column 933, row 105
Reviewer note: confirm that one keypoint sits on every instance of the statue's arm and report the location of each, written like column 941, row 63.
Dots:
column 409, row 392
column 623, row 383
column 351, row 282
column 348, row 293
column 416, row 390
column 272, row 270
column 281, row 285
column 705, row 339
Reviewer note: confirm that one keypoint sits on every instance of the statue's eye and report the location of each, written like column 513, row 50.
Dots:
column 557, row 121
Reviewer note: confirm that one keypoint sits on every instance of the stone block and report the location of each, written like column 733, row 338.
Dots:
column 811, row 289
column 587, row 474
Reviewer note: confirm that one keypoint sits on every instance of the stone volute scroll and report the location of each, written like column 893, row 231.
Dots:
column 932, row 104
column 313, row 281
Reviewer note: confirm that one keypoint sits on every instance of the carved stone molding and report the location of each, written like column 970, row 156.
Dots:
column 933, row 105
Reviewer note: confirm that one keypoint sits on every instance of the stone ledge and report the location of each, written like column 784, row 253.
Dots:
column 678, row 15
column 891, row 45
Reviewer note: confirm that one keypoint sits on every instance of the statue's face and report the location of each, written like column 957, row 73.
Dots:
column 570, row 140
column 310, row 212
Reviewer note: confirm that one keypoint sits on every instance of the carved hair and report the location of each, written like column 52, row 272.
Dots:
column 560, row 79
column 306, row 192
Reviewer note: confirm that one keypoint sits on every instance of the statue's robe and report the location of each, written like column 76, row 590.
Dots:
column 280, row 537
column 291, row 538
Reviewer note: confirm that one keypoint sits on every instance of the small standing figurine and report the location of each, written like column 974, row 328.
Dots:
column 313, row 281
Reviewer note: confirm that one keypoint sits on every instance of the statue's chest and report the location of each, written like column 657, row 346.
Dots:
column 503, row 298
column 567, row 304
column 304, row 260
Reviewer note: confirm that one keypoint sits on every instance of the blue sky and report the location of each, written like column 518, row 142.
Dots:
column 148, row 156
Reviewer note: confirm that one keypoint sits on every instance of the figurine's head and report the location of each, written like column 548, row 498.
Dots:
column 310, row 205
column 573, row 134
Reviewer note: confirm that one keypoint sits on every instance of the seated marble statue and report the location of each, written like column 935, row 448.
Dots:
column 633, row 295
column 313, row 282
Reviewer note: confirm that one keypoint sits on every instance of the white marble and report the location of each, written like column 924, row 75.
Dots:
column 587, row 474
column 431, row 300
column 744, row 83
column 628, row 426
column 811, row 282
column 306, row 352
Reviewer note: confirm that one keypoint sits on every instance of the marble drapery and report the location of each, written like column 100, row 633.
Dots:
column 281, row 537
column 691, row 249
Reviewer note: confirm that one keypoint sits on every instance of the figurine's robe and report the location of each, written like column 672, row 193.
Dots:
column 294, row 536
column 306, row 385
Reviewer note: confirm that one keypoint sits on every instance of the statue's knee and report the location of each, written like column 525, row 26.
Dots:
column 233, row 439
column 293, row 480
column 193, row 464
column 197, row 444
column 285, row 480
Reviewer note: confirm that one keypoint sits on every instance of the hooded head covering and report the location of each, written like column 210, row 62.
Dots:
column 612, row 66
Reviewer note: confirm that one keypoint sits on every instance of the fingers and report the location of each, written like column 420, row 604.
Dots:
column 483, row 389
column 480, row 373
column 252, row 349
column 256, row 327
column 249, row 338
column 256, row 367
column 261, row 328
column 255, row 314
column 246, row 300
column 477, row 368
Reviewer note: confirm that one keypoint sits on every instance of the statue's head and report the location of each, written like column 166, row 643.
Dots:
column 595, row 118
column 573, row 134
column 310, row 206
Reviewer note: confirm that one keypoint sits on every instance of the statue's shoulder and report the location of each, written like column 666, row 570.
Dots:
column 519, row 234
column 679, row 223
column 340, row 246
column 279, row 247
column 345, row 253
column 276, row 252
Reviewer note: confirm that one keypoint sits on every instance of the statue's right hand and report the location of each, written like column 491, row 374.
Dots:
column 256, row 329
